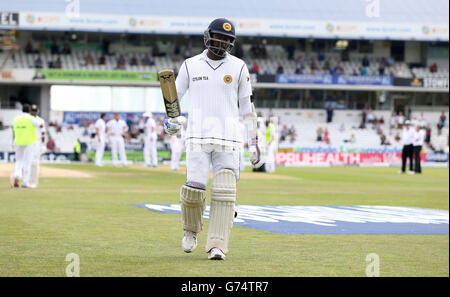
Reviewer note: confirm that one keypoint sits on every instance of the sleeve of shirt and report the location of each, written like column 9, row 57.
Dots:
column 245, row 106
column 245, row 86
column 35, row 122
column 43, row 125
column 182, row 80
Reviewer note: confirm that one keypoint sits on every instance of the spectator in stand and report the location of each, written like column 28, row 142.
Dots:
column 339, row 69
column 439, row 142
column 284, row 133
column 442, row 121
column 29, row 48
column 51, row 145
column 102, row 60
column 365, row 62
column 384, row 140
column 292, row 133
column 428, row 135
column 319, row 132
column 326, row 66
column 370, row 116
column 38, row 62
column 280, row 69
column 255, row 68
column 330, row 113
column 390, row 62
column 58, row 63
column 381, row 68
column 326, row 136
column 345, row 55
column 421, row 120
column 54, row 48
column 400, row 120
column 133, row 61
column 268, row 71
column 88, row 60
column 290, row 50
column 66, row 50
column 298, row 64
column 314, row 66
column 363, row 119
column 177, row 52
column 364, row 71
column 393, row 121
column 263, row 49
column 147, row 61
column 120, row 62
column 321, row 57
column 433, row 68
column 351, row 140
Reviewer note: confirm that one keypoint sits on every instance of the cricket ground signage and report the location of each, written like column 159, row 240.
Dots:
column 96, row 75
column 297, row 219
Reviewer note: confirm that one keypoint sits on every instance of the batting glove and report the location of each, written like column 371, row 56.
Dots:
column 256, row 156
column 173, row 126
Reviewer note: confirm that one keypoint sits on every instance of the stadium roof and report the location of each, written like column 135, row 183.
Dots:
column 427, row 15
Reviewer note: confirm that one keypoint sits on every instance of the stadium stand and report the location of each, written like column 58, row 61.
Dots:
column 277, row 55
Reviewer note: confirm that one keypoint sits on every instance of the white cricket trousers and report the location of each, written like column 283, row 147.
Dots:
column 270, row 159
column 200, row 158
column 35, row 163
column 99, row 151
column 22, row 166
column 175, row 155
column 118, row 146
column 150, row 152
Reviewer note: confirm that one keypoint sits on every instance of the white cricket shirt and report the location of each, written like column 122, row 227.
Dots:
column 217, row 92
column 408, row 136
column 149, row 124
column 101, row 126
column 419, row 137
column 39, row 129
column 116, row 128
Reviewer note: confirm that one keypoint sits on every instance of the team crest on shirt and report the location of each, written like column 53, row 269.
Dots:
column 227, row 79
column 227, row 26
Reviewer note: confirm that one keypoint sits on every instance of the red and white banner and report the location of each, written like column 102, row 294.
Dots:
column 305, row 159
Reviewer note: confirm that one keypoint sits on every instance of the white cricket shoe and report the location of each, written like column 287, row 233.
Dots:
column 216, row 254
column 189, row 242
column 411, row 172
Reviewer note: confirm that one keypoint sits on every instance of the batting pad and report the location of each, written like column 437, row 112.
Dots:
column 193, row 203
column 223, row 197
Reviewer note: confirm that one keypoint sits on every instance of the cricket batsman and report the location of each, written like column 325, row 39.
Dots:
column 219, row 89
column 38, row 148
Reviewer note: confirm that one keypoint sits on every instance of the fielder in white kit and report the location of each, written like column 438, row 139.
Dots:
column 38, row 148
column 100, row 139
column 150, row 152
column 176, row 149
column 219, row 90
column 116, row 131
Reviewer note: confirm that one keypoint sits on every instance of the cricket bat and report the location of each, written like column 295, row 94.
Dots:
column 169, row 92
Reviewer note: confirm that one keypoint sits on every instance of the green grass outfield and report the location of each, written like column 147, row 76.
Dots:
column 91, row 216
